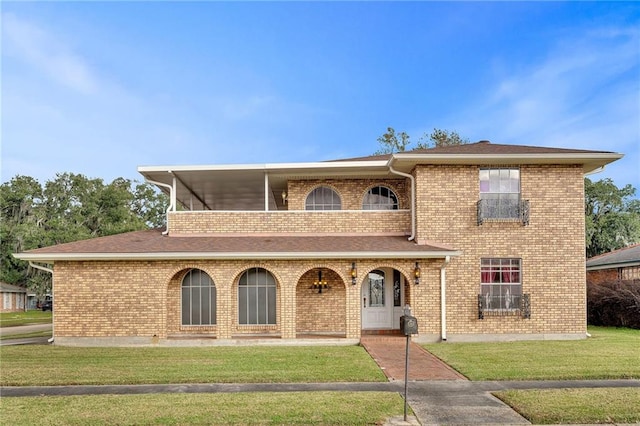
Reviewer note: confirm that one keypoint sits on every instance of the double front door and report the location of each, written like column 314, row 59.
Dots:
column 382, row 299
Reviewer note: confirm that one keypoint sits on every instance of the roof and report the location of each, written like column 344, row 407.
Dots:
column 152, row 245
column 242, row 186
column 10, row 288
column 624, row 257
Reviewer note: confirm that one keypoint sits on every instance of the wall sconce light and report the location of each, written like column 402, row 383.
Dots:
column 416, row 273
column 320, row 284
column 284, row 197
column 354, row 273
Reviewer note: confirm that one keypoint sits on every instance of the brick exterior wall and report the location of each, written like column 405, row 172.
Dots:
column 279, row 222
column 111, row 299
column 551, row 248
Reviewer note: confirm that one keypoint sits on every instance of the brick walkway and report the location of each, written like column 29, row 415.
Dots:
column 390, row 352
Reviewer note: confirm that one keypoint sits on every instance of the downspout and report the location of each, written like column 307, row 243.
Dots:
column 49, row 270
column 413, row 199
column 171, row 199
column 443, row 298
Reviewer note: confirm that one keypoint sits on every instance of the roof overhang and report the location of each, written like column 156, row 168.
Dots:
column 590, row 161
column 614, row 265
column 51, row 258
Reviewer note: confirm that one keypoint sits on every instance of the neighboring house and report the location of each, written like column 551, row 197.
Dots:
column 621, row 264
column 13, row 297
column 483, row 241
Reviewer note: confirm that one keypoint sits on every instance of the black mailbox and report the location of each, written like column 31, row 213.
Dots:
column 408, row 325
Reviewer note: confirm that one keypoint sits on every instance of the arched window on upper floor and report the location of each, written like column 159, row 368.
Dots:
column 380, row 198
column 323, row 198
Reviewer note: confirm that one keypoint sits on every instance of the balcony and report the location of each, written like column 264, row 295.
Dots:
column 495, row 210
column 501, row 305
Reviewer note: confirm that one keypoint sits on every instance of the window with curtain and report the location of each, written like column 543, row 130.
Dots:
column 198, row 299
column 257, row 297
column 323, row 198
column 500, row 193
column 500, row 283
column 380, row 198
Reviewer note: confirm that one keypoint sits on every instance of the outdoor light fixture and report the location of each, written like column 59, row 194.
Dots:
column 354, row 273
column 284, row 196
column 320, row 284
column 416, row 273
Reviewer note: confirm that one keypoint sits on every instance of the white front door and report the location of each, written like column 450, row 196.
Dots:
column 377, row 301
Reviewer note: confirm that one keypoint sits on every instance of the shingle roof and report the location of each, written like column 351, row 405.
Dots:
column 616, row 258
column 152, row 244
column 481, row 148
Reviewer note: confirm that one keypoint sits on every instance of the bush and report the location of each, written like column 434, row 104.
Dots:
column 614, row 303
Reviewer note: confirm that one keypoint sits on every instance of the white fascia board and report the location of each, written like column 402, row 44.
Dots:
column 270, row 167
column 590, row 161
column 573, row 157
column 51, row 258
column 628, row 264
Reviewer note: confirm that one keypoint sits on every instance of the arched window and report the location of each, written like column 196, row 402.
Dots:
column 380, row 198
column 257, row 297
column 198, row 299
column 323, row 198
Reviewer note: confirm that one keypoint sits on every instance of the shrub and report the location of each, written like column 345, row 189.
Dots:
column 614, row 303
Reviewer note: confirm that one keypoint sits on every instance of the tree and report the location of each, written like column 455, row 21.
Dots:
column 392, row 142
column 612, row 217
column 69, row 208
column 440, row 137
column 398, row 142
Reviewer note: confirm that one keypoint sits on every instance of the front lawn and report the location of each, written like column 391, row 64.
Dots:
column 13, row 319
column 292, row 408
column 59, row 365
column 611, row 353
column 576, row 406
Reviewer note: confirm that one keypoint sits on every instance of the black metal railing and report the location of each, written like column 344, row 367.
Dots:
column 512, row 305
column 489, row 209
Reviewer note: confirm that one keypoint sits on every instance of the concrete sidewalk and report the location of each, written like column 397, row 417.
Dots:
column 451, row 402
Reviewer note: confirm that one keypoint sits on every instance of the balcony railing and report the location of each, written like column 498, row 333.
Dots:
column 511, row 305
column 500, row 210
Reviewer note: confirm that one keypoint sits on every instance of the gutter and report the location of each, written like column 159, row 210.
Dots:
column 49, row 270
column 413, row 195
column 283, row 255
column 172, row 194
column 443, row 298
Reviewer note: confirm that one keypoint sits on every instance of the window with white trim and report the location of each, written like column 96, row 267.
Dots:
column 198, row 299
column 380, row 198
column 257, row 297
column 323, row 198
column 500, row 283
column 500, row 193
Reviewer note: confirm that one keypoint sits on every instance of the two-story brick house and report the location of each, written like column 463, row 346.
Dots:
column 483, row 241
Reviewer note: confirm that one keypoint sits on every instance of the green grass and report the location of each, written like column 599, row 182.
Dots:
column 609, row 354
column 13, row 319
column 292, row 408
column 58, row 365
column 27, row 335
column 575, row 406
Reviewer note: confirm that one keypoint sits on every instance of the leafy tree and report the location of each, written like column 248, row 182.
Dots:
column 440, row 137
column 391, row 141
column 612, row 217
column 69, row 208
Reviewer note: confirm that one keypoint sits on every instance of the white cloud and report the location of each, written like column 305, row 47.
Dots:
column 40, row 49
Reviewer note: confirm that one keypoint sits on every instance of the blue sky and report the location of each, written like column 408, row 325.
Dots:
column 100, row 88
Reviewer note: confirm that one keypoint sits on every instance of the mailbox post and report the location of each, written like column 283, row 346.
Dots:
column 408, row 326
